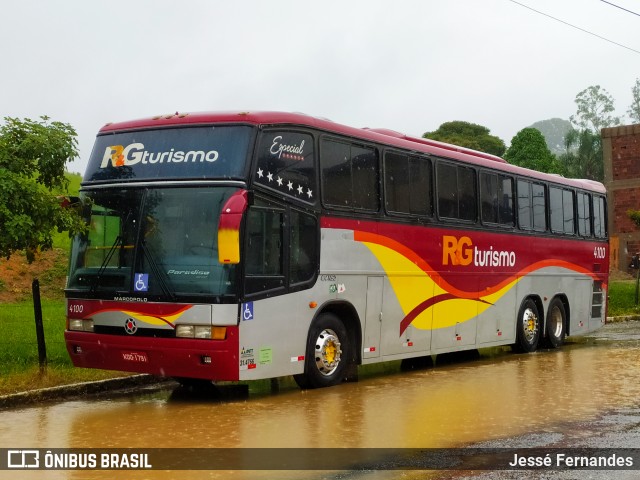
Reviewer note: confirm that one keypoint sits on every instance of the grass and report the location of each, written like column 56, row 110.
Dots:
column 19, row 369
column 622, row 295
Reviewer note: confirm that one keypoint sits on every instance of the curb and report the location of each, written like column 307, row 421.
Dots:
column 80, row 389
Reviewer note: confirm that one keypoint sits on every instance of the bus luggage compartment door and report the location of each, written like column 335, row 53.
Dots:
column 373, row 317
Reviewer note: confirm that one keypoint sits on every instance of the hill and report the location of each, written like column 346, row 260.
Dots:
column 554, row 131
column 17, row 275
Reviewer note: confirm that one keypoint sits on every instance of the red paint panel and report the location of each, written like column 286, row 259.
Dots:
column 427, row 248
column 167, row 357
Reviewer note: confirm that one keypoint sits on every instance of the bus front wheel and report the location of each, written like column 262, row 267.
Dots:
column 527, row 327
column 327, row 353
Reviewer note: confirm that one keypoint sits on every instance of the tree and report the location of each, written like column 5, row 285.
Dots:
column 469, row 135
column 33, row 155
column 583, row 155
column 554, row 131
column 529, row 149
column 634, row 108
column 595, row 107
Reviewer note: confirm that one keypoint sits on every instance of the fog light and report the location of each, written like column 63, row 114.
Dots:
column 205, row 359
column 77, row 349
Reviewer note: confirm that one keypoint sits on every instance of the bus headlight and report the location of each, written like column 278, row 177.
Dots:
column 201, row 331
column 185, row 331
column 81, row 324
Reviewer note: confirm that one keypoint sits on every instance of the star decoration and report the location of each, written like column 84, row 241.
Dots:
column 299, row 190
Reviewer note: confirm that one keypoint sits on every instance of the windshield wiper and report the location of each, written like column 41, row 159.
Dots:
column 105, row 262
column 165, row 282
column 117, row 242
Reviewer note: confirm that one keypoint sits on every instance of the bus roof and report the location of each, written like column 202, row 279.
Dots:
column 377, row 135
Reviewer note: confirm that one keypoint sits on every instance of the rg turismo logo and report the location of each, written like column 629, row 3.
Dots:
column 130, row 326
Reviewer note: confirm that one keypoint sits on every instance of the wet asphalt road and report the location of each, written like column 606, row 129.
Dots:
column 588, row 389
column 612, row 431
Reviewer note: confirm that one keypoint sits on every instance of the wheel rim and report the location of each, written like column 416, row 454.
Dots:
column 556, row 325
column 530, row 325
column 327, row 352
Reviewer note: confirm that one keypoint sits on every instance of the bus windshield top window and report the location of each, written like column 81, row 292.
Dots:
column 180, row 153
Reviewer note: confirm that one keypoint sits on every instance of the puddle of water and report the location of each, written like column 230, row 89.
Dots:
column 451, row 405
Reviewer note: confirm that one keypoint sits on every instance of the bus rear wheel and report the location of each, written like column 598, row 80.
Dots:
column 327, row 353
column 556, row 324
column 527, row 327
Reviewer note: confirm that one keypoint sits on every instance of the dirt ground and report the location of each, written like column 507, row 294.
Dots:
column 17, row 275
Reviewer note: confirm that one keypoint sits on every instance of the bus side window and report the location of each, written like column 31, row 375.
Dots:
column 496, row 195
column 524, row 205
column 349, row 175
column 562, row 210
column 303, row 258
column 264, row 261
column 447, row 191
column 568, row 212
column 457, row 197
column 599, row 219
column 584, row 215
column 467, row 194
column 407, row 183
column 555, row 210
column 539, row 208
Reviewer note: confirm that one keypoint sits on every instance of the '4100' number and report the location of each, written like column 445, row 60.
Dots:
column 599, row 252
column 76, row 308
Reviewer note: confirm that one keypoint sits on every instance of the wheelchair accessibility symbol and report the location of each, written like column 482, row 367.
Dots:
column 247, row 311
column 142, row 282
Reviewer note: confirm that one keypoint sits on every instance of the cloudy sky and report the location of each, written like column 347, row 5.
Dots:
column 407, row 65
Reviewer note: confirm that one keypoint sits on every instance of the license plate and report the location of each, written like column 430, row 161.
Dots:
column 138, row 357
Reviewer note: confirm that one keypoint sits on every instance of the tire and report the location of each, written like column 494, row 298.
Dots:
column 556, row 324
column 327, row 353
column 527, row 327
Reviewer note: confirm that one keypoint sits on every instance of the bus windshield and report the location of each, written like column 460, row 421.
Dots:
column 159, row 242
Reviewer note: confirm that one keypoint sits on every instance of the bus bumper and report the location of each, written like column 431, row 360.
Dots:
column 167, row 357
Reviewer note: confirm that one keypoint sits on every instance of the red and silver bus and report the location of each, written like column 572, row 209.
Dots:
column 250, row 245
